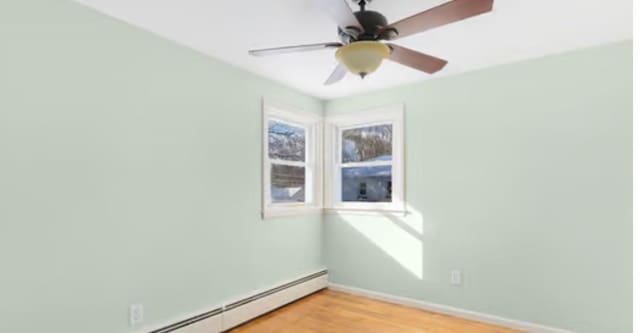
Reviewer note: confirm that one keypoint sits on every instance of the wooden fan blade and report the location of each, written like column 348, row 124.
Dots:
column 446, row 13
column 296, row 48
column 338, row 74
column 341, row 13
column 417, row 60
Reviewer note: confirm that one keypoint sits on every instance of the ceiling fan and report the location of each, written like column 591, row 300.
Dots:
column 361, row 51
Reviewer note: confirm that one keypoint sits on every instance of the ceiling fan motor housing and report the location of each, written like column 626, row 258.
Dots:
column 372, row 22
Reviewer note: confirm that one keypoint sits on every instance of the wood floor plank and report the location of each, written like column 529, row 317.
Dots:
column 329, row 311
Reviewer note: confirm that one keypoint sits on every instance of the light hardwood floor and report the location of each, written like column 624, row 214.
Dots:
column 335, row 312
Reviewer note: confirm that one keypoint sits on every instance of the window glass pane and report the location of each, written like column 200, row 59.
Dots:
column 287, row 183
column 371, row 143
column 286, row 142
column 366, row 184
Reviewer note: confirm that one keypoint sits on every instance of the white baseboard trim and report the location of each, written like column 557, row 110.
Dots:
column 449, row 310
column 233, row 313
column 240, row 312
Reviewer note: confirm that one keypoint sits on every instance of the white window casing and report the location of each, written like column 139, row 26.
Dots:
column 312, row 124
column 334, row 126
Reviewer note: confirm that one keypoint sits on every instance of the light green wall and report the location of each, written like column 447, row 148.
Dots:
column 129, row 172
column 118, row 184
column 520, row 175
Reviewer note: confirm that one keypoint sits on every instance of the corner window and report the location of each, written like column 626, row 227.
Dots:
column 292, row 172
column 366, row 161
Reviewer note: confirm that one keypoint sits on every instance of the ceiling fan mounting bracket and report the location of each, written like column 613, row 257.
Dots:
column 362, row 4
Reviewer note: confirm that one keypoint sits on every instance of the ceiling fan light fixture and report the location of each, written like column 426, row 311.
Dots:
column 364, row 57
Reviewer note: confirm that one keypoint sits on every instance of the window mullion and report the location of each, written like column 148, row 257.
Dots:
column 289, row 163
column 366, row 164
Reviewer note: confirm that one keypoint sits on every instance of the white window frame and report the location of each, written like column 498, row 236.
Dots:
column 312, row 124
column 334, row 125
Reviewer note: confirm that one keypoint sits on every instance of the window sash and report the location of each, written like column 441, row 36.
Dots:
column 307, row 165
column 307, row 130
column 363, row 164
column 307, row 196
column 341, row 130
column 335, row 127
column 313, row 142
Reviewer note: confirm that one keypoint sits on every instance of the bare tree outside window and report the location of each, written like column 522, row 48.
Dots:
column 287, row 149
column 366, row 163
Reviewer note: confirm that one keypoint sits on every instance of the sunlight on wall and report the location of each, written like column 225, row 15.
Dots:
column 413, row 220
column 399, row 237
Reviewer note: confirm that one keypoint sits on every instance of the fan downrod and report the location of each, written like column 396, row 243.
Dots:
column 362, row 4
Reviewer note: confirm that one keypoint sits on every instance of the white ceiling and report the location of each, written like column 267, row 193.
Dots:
column 515, row 30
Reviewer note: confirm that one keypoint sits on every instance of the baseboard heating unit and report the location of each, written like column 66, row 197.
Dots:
column 238, row 312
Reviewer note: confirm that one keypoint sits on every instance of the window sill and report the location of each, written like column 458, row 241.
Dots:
column 367, row 212
column 308, row 211
column 290, row 212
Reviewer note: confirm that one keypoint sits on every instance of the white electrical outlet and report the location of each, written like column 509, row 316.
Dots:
column 456, row 277
column 136, row 314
